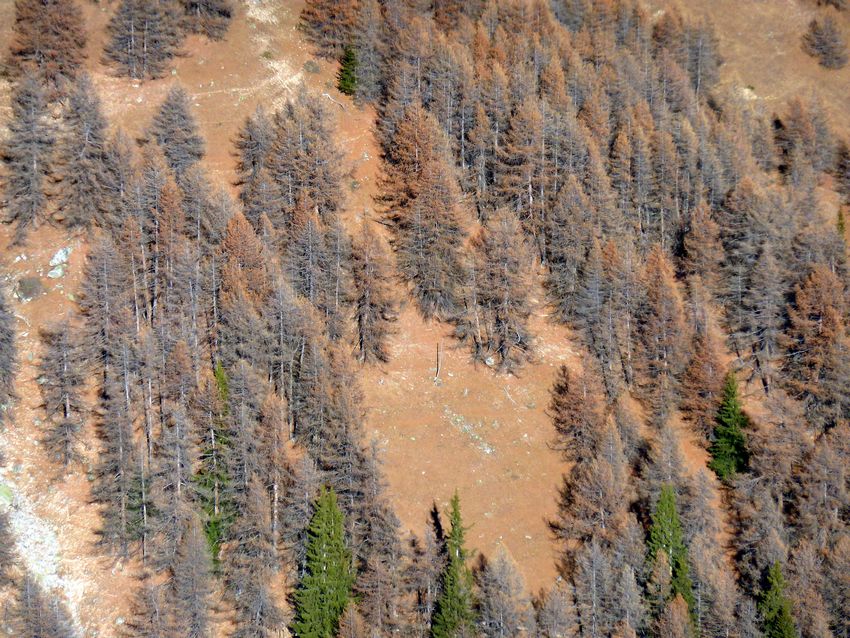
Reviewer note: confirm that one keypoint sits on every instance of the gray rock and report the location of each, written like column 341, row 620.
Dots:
column 29, row 288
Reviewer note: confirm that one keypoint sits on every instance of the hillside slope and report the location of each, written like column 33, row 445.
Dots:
column 493, row 426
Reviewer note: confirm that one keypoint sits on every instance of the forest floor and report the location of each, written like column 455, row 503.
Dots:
column 484, row 434
column 763, row 60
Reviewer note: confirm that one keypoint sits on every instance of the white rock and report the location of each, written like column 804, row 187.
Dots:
column 57, row 272
column 61, row 256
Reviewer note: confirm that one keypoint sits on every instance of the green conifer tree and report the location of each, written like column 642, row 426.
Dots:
column 325, row 590
column 347, row 76
column 775, row 607
column 729, row 454
column 212, row 476
column 665, row 535
column 454, row 615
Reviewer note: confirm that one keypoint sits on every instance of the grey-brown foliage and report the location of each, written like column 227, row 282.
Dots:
column 556, row 613
column 374, row 301
column 27, row 156
column 38, row 613
column 210, row 17
column 83, row 162
column 192, row 583
column 48, row 39
column 497, row 298
column 303, row 162
column 7, row 550
column 144, row 35
column 176, row 132
column 824, row 41
column 504, row 608
column 62, row 380
column 8, row 354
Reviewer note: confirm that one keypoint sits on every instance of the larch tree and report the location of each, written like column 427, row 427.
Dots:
column 27, row 155
column 556, row 613
column 8, row 355
column 823, row 40
column 577, row 413
column 664, row 336
column 429, row 237
column 324, row 591
column 191, row 581
column 702, row 382
column 62, row 381
column 369, row 48
column 209, row 17
column 503, row 608
column 82, row 163
column 497, row 305
column 176, row 132
column 38, row 613
column 144, row 36
column 329, row 25
column 303, row 162
column 454, row 612
column 374, row 301
column 49, row 39
column 816, row 342
column 521, row 179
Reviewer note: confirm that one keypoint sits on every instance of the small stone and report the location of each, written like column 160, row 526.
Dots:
column 490, row 361
column 120, row 620
column 57, row 272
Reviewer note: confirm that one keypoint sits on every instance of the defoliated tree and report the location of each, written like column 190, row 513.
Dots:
column 729, row 453
column 26, row 154
column 210, row 17
column 48, row 39
column 324, row 592
column 144, row 37
column 374, row 302
column 504, row 606
column 175, row 131
column 61, row 382
column 8, row 355
column 39, row 614
column 665, row 535
column 82, row 161
column 454, row 615
column 824, row 41
column 775, row 606
column 328, row 24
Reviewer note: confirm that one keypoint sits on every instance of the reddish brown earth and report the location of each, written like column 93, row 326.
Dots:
column 482, row 433
column 760, row 41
